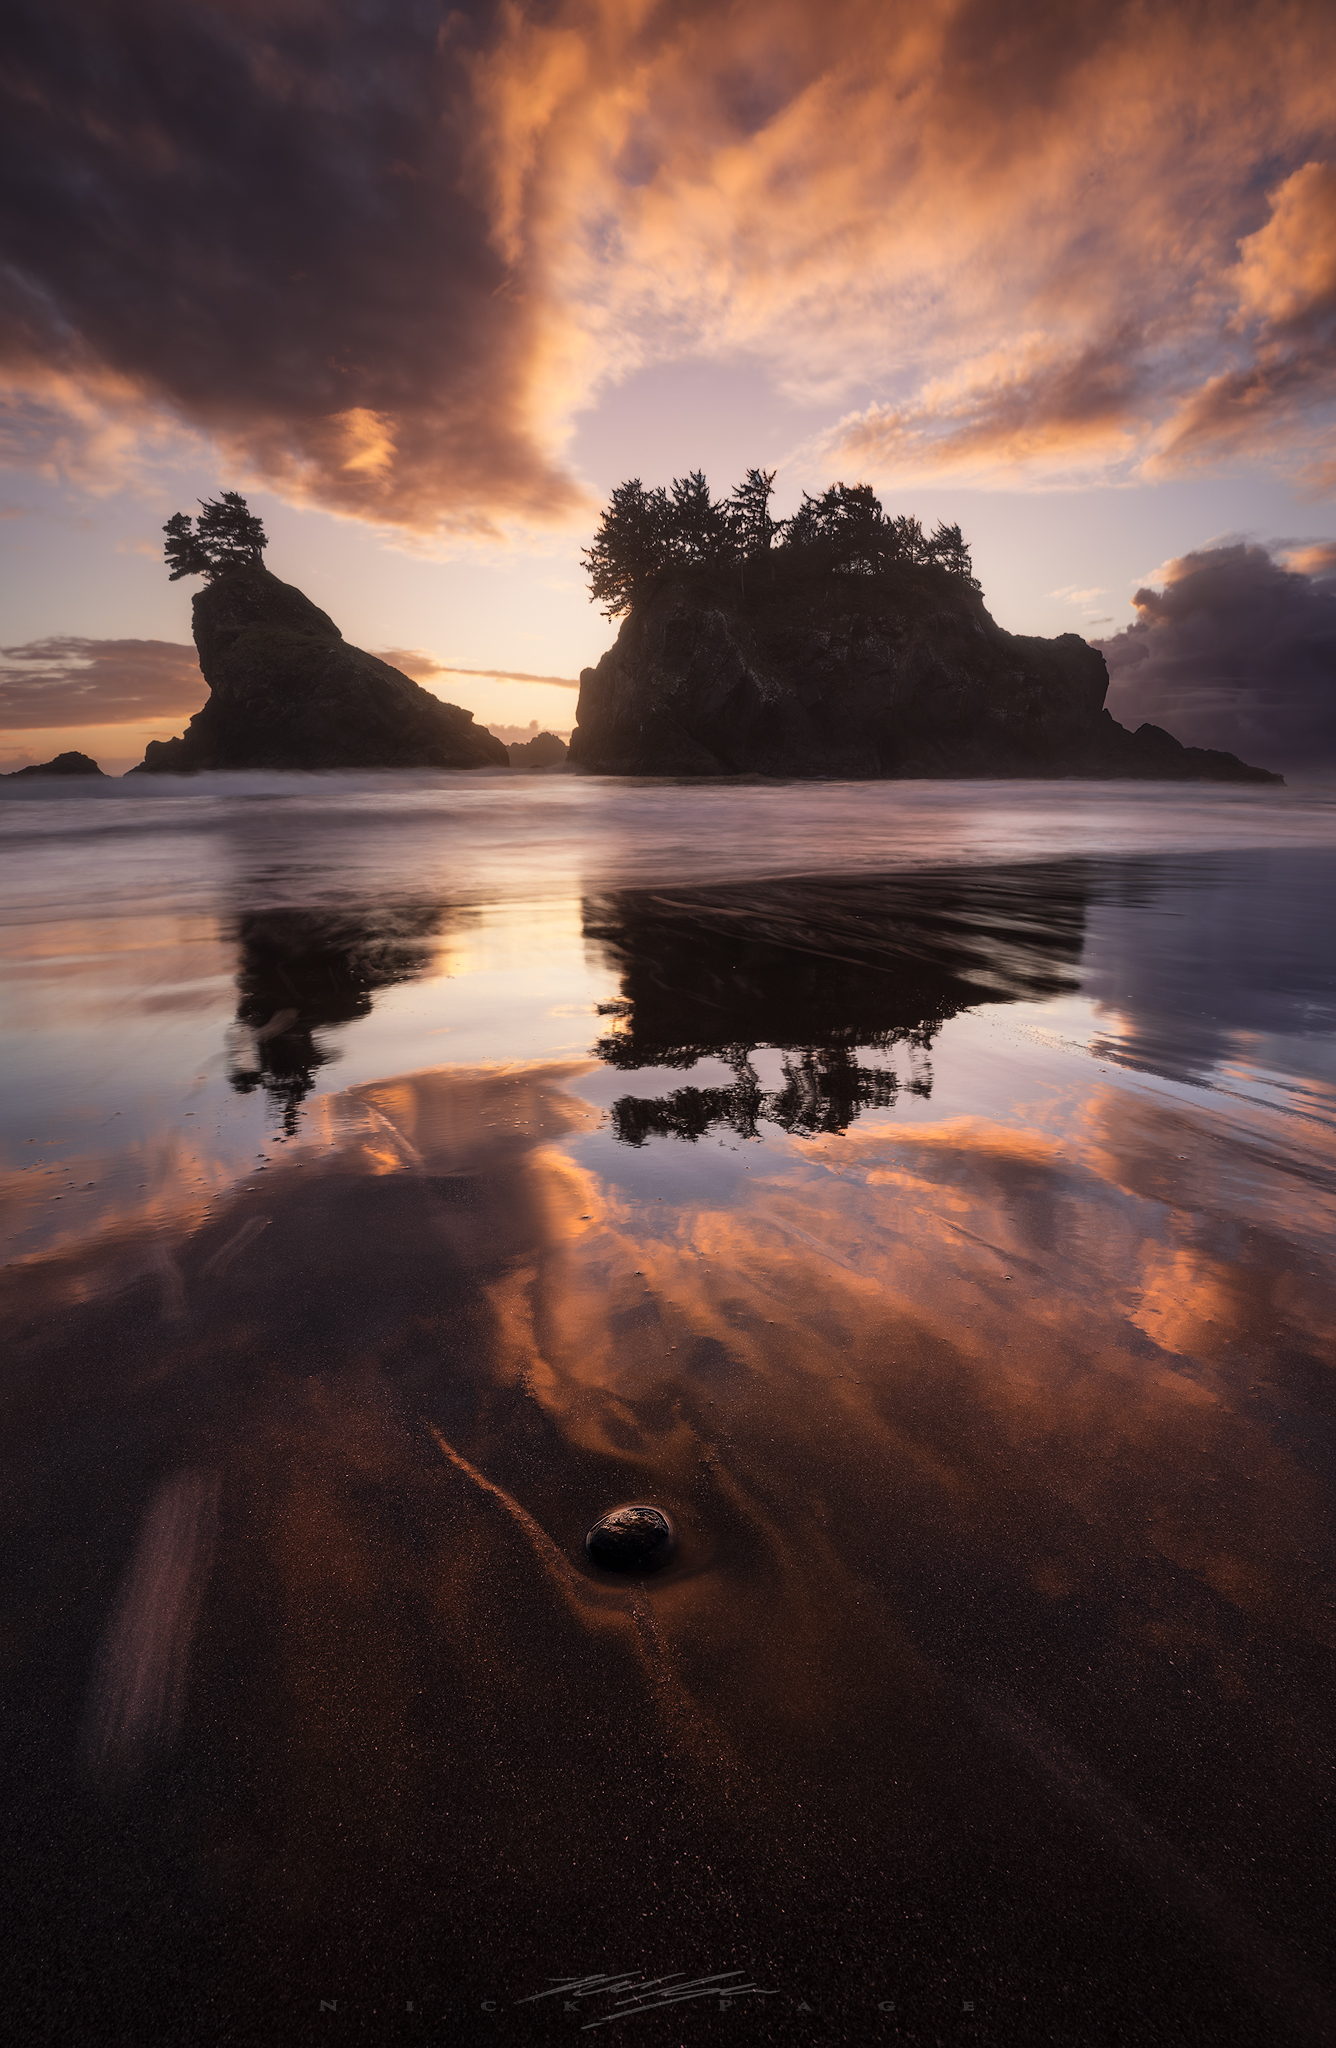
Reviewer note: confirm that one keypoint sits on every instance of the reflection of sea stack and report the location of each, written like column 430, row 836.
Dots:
column 786, row 667
column 301, row 971
column 818, row 967
column 287, row 691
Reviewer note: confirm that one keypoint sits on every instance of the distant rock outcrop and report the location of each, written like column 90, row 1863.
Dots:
column 544, row 751
column 64, row 764
column 287, row 691
column 783, row 669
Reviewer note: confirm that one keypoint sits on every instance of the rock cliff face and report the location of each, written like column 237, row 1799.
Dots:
column 780, row 671
column 287, row 691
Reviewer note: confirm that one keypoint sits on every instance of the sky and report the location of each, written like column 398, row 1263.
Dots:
column 425, row 281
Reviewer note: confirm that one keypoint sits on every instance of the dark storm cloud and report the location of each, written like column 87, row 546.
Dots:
column 258, row 217
column 70, row 681
column 1238, row 650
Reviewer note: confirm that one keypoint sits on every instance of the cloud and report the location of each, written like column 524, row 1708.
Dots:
column 1022, row 230
column 1032, row 407
column 66, row 681
column 1309, row 557
column 1287, row 270
column 422, row 667
column 1286, row 290
column 258, row 222
column 1237, row 651
column 380, row 258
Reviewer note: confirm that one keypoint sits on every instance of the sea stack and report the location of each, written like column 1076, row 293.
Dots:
column 545, row 750
column 786, row 667
column 287, row 691
column 64, row 764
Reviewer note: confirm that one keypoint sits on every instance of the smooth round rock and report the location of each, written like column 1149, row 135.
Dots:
column 636, row 1538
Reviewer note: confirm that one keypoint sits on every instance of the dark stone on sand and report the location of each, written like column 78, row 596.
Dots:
column 287, row 691
column 64, row 764
column 545, row 750
column 789, row 668
column 636, row 1538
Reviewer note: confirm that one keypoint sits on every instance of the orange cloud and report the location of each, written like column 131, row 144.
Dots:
column 1026, row 234
column 1286, row 286
column 1287, row 270
column 1042, row 241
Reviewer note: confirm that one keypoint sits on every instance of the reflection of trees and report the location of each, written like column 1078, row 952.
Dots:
column 301, row 971
column 817, row 967
column 824, row 1090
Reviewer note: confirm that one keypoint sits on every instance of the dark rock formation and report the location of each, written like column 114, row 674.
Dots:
column 545, row 751
column 64, row 764
column 287, row 691
column 787, row 669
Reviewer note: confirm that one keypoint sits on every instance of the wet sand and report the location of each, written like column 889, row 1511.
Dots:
column 983, row 1368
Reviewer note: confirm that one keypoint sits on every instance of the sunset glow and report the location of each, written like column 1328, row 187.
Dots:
column 470, row 268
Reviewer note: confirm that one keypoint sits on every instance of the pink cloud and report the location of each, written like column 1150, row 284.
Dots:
column 1041, row 238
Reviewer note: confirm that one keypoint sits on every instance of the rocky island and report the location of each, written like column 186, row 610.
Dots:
column 839, row 644
column 285, row 688
column 287, row 691
column 64, row 764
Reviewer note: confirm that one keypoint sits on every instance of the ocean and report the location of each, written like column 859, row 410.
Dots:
column 922, row 1193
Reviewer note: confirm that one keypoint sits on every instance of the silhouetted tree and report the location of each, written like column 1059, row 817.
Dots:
column 226, row 534
column 846, row 523
column 948, row 549
column 749, row 520
column 699, row 530
column 644, row 532
column 632, row 545
column 905, row 540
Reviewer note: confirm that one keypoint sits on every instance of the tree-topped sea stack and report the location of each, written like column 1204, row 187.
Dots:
column 840, row 642
column 286, row 689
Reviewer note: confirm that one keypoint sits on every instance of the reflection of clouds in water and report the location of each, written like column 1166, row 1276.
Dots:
column 1214, row 958
column 139, row 1686
column 963, row 1424
column 1031, row 1356
column 935, row 1458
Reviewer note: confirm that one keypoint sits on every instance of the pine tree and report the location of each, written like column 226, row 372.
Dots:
column 227, row 535
column 185, row 556
column 630, row 546
column 700, row 531
column 845, row 523
column 643, row 533
column 948, row 549
column 752, row 528
column 905, row 540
